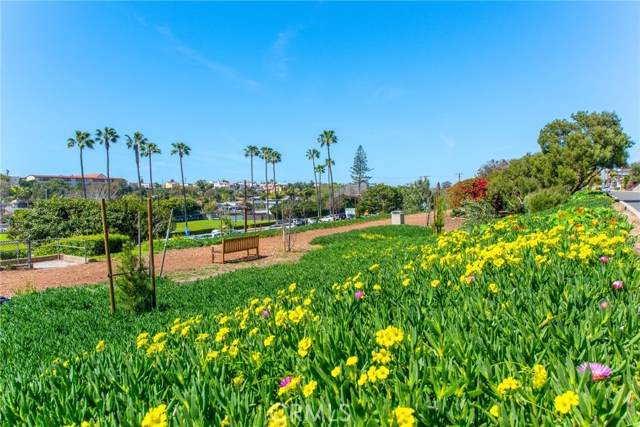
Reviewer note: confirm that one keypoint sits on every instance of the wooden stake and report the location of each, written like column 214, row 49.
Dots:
column 152, row 271
column 105, row 231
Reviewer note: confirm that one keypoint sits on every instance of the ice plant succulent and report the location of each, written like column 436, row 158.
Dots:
column 359, row 294
column 598, row 370
column 618, row 284
column 604, row 259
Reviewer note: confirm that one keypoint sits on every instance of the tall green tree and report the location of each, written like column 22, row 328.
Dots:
column 313, row 154
column 146, row 150
column 416, row 196
column 107, row 137
column 252, row 151
column 135, row 144
column 265, row 154
column 82, row 141
column 329, row 138
column 380, row 198
column 182, row 149
column 275, row 157
column 583, row 146
column 360, row 169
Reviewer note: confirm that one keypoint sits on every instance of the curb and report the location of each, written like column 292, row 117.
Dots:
column 630, row 208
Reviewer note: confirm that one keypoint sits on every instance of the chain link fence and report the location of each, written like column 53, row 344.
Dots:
column 24, row 253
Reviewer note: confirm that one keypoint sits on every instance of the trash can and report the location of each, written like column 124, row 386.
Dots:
column 397, row 217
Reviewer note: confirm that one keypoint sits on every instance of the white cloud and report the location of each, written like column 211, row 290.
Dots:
column 278, row 59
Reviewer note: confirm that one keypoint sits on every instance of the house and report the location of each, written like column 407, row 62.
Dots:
column 73, row 180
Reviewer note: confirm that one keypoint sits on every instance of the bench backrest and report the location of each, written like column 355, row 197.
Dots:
column 240, row 244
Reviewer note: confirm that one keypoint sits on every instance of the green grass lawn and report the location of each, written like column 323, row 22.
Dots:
column 3, row 236
column 210, row 224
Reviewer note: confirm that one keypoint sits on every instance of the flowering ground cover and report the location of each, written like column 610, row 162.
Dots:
column 531, row 320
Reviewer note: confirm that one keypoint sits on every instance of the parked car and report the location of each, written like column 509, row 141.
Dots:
column 299, row 222
column 327, row 218
column 341, row 215
column 312, row 221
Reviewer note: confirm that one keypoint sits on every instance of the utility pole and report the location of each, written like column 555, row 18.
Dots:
column 459, row 175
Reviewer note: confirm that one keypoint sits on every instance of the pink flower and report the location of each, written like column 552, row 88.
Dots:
column 359, row 294
column 604, row 304
column 285, row 382
column 265, row 313
column 604, row 259
column 617, row 284
column 598, row 371
column 471, row 279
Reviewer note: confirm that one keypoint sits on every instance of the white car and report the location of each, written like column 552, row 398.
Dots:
column 327, row 218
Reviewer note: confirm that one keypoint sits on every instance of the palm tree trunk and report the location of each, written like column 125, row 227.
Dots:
column 108, row 176
column 330, row 178
column 315, row 181
column 253, row 189
column 184, row 197
column 266, row 180
column 135, row 150
column 275, row 191
column 84, row 187
column 319, row 194
column 151, row 179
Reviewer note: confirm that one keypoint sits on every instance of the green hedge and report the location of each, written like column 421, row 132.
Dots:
column 94, row 242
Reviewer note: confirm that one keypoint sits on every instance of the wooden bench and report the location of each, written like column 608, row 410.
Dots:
column 237, row 245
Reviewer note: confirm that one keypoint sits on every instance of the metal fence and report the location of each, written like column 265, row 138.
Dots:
column 23, row 253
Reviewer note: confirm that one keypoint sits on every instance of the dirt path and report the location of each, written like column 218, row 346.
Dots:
column 187, row 264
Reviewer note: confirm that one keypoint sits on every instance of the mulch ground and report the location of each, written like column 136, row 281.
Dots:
column 184, row 265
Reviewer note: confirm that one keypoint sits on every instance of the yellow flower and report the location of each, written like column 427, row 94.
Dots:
column 508, row 384
column 435, row 283
column 141, row 342
column 362, row 380
column 221, row 334
column 493, row 288
column 267, row 341
column 309, row 388
column 404, row 417
column 335, row 372
column 202, row 337
column 352, row 361
column 377, row 287
column 389, row 336
column 156, row 417
column 233, row 351
column 255, row 356
column 101, row 346
column 306, row 302
column 159, row 336
column 303, row 346
column 212, row 355
column 238, row 380
column 406, row 282
column 292, row 287
column 539, row 376
column 277, row 416
column 224, row 320
column 382, row 373
column 564, row 402
column 226, row 421
column 494, row 411
column 157, row 347
column 253, row 332
column 185, row 331
column 383, row 356
column 373, row 267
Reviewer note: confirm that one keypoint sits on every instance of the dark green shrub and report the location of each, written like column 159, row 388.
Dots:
column 545, row 199
column 133, row 287
column 477, row 212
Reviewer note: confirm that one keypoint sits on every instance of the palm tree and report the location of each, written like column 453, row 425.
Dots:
column 328, row 138
column 320, row 169
column 313, row 154
column 182, row 149
column 146, row 150
column 265, row 153
column 251, row 151
column 136, row 143
column 107, row 137
column 81, row 141
column 274, row 158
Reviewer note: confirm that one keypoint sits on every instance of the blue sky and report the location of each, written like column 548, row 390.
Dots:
column 426, row 88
